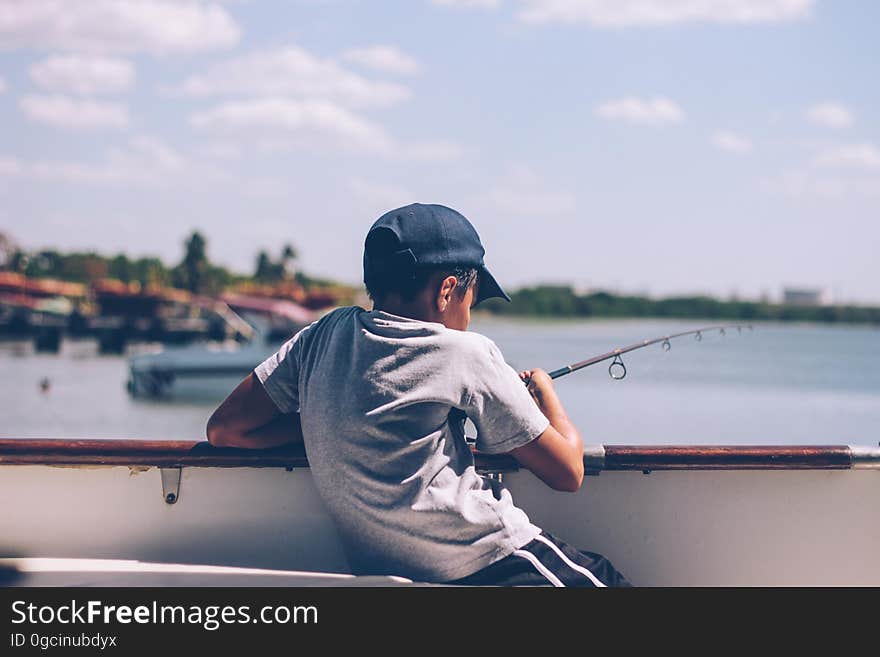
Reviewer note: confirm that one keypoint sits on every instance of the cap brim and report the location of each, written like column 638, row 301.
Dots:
column 489, row 287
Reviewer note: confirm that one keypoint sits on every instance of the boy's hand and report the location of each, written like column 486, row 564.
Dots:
column 539, row 384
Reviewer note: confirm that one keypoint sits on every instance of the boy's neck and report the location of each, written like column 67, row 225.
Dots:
column 405, row 310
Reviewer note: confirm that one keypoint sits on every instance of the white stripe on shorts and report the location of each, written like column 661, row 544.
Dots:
column 541, row 568
column 569, row 562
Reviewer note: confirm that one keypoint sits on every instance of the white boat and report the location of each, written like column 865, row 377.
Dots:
column 665, row 516
column 212, row 370
column 202, row 371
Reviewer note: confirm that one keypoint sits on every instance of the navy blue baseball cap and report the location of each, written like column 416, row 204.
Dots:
column 426, row 235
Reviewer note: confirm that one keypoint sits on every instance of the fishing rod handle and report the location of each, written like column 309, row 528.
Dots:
column 555, row 374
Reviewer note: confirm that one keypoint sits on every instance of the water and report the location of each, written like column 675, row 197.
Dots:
column 777, row 384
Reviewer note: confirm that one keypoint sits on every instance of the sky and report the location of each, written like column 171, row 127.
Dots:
column 723, row 147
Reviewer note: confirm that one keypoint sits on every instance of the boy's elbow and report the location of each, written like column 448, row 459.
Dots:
column 216, row 435
column 571, row 484
column 571, row 479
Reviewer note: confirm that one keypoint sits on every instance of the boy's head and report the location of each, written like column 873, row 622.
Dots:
column 426, row 262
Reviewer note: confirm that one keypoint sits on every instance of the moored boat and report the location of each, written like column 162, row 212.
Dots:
column 212, row 370
column 208, row 371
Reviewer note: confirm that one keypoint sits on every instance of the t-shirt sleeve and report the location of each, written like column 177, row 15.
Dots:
column 279, row 373
column 499, row 405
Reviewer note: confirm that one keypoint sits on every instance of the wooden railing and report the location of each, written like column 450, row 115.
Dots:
column 182, row 453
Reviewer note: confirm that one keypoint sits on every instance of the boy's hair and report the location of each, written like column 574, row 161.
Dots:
column 408, row 285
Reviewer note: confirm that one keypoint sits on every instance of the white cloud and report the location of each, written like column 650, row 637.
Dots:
column 9, row 166
column 810, row 185
column 83, row 74
column 221, row 150
column 382, row 58
column 850, row 156
column 522, row 192
column 297, row 123
column 281, row 124
column 830, row 115
column 292, row 71
column 143, row 160
column 840, row 172
column 430, row 151
column 79, row 173
column 64, row 112
column 649, row 111
column 155, row 26
column 146, row 149
column 628, row 13
column 468, row 4
column 732, row 143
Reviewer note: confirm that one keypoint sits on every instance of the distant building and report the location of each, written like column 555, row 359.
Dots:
column 798, row 296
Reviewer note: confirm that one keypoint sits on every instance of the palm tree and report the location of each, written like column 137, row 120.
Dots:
column 288, row 255
column 7, row 249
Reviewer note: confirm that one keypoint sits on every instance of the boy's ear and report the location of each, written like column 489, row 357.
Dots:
column 444, row 294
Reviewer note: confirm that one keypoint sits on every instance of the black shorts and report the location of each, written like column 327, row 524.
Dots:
column 547, row 561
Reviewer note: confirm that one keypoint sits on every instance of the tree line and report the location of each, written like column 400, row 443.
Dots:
column 563, row 301
column 195, row 272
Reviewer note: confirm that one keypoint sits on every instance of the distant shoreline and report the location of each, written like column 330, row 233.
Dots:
column 486, row 316
column 562, row 302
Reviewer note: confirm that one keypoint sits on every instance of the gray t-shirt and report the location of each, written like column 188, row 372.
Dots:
column 383, row 401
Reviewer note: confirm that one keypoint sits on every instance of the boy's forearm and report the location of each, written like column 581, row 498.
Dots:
column 552, row 408
column 281, row 430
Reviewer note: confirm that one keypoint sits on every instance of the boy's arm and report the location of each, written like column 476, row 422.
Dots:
column 557, row 455
column 248, row 418
column 528, row 423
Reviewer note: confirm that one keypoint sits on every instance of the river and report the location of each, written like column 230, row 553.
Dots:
column 779, row 383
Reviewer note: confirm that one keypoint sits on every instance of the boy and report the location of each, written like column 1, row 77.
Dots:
column 380, row 399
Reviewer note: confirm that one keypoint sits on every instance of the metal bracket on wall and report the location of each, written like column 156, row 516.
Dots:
column 170, row 484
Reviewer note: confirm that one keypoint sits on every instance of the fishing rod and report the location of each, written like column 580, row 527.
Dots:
column 617, row 370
